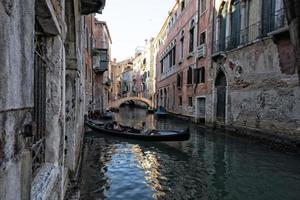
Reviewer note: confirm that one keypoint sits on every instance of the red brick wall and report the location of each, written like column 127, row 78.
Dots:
column 287, row 58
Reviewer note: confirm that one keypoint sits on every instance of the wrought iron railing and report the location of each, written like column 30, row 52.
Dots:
column 38, row 139
column 252, row 32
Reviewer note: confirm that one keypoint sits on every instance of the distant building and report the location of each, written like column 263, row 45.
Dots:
column 121, row 73
column 143, row 71
column 101, row 65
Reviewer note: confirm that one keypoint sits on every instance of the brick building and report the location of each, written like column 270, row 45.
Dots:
column 238, row 69
column 176, row 59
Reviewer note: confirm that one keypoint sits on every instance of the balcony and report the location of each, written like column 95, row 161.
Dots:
column 99, row 66
column 273, row 25
column 92, row 6
column 201, row 51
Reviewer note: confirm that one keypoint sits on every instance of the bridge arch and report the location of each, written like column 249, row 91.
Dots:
column 117, row 103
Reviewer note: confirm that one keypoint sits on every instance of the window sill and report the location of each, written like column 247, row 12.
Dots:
column 202, row 13
column 191, row 54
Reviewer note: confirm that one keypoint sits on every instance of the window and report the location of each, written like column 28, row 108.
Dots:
column 192, row 33
column 190, row 76
column 202, row 38
column 203, row 5
column 235, row 24
column 199, row 75
column 182, row 5
column 202, row 75
column 180, row 101
column 173, row 56
column 162, row 66
column 222, row 24
column 178, row 80
column 170, row 58
column 103, row 59
column 144, row 61
column 190, row 101
column 196, row 76
column 268, row 17
column 182, row 45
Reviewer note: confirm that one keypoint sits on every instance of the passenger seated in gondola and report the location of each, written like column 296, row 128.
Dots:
column 144, row 130
column 115, row 126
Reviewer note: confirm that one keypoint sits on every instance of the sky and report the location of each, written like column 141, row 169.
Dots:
column 132, row 21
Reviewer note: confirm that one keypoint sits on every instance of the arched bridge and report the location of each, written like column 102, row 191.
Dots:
column 118, row 102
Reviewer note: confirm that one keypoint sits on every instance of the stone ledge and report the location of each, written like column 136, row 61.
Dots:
column 44, row 182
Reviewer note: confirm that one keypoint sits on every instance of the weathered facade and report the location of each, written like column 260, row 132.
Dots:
column 242, row 72
column 101, row 65
column 42, row 96
column 253, row 75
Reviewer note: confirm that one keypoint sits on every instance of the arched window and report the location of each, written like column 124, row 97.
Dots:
column 192, row 35
column 182, row 45
column 220, row 84
column 222, row 26
column 235, row 12
column 190, row 76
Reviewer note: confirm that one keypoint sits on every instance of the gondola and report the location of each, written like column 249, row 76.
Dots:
column 133, row 133
column 151, row 110
column 161, row 113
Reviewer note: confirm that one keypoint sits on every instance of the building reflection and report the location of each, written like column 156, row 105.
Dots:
column 149, row 162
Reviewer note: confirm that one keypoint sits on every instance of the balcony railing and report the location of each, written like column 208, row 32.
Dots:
column 251, row 33
column 201, row 50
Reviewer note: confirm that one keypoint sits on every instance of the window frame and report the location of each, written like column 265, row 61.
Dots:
column 190, row 101
column 189, row 80
column 201, row 6
column 205, row 37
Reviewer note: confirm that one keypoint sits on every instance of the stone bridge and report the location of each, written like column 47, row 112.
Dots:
column 118, row 102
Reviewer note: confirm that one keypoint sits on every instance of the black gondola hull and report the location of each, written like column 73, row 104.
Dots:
column 177, row 136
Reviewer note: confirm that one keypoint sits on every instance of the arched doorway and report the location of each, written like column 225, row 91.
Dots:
column 221, row 86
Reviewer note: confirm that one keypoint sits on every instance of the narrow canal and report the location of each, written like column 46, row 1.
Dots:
column 208, row 166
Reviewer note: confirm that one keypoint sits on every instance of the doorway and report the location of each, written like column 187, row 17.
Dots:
column 221, row 90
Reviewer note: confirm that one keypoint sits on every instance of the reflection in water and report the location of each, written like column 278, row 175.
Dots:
column 208, row 166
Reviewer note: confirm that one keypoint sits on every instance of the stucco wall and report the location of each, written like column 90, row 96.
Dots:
column 16, row 91
column 259, row 94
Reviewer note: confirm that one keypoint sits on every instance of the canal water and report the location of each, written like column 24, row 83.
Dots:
column 210, row 166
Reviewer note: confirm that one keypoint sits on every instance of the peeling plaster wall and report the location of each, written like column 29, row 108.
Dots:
column 16, row 91
column 75, row 86
column 259, row 94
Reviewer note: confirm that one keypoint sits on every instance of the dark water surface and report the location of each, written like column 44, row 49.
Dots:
column 209, row 166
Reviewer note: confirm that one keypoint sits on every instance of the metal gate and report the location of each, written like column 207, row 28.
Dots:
column 38, row 140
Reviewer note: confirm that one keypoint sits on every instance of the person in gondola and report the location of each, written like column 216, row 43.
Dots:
column 144, row 130
column 116, row 126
